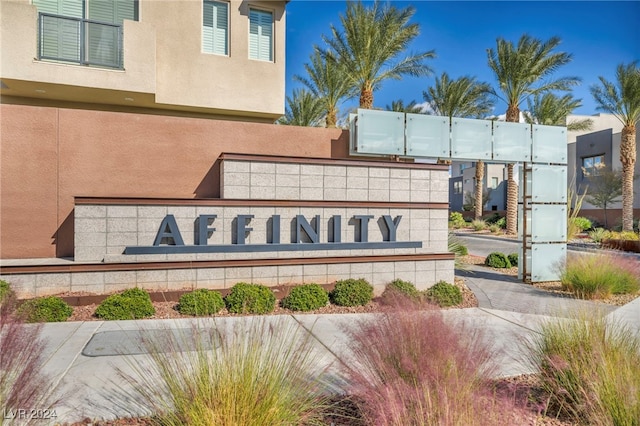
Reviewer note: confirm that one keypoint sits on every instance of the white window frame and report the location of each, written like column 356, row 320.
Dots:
column 211, row 49
column 261, row 56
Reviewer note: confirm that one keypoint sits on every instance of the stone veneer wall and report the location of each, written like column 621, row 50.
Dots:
column 262, row 186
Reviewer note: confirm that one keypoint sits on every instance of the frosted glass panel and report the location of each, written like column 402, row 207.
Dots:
column 549, row 184
column 380, row 132
column 511, row 141
column 470, row 139
column 427, row 135
column 546, row 261
column 548, row 223
column 549, row 144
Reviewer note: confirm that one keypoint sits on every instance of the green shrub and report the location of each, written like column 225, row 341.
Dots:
column 494, row 218
column 403, row 287
column 582, row 222
column 444, row 294
column 479, row 225
column 494, row 228
column 513, row 259
column 599, row 276
column 352, row 292
column 502, row 222
column 456, row 220
column 622, row 235
column 598, row 234
column 5, row 290
column 133, row 303
column 250, row 299
column 497, row 260
column 200, row 302
column 306, row 297
column 45, row 309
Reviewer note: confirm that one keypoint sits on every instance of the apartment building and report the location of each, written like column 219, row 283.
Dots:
column 197, row 58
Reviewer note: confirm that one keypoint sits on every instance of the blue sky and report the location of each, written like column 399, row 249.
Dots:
column 599, row 34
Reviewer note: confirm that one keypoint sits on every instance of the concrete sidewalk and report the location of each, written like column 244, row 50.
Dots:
column 84, row 358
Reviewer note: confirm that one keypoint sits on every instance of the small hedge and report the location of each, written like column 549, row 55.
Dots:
column 200, row 302
column 513, row 259
column 444, row 294
column 250, row 299
column 133, row 303
column 306, row 297
column 352, row 292
column 497, row 260
column 45, row 309
column 403, row 287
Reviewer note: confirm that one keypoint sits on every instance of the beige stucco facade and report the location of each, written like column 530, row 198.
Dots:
column 164, row 65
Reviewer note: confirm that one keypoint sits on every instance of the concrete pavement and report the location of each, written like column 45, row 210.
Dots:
column 86, row 360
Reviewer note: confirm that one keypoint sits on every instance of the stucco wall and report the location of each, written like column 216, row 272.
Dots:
column 50, row 155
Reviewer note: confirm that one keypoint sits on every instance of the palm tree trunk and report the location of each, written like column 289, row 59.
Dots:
column 366, row 97
column 628, row 160
column 479, row 184
column 513, row 116
column 512, row 202
column 332, row 118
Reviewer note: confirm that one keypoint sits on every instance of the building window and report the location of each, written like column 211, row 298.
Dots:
column 87, row 32
column 260, row 35
column 215, row 27
column 591, row 165
column 494, row 182
column 457, row 187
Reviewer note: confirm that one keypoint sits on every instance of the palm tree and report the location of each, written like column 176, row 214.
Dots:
column 371, row 40
column 463, row 97
column 399, row 106
column 326, row 81
column 303, row 109
column 523, row 71
column 623, row 101
column 552, row 110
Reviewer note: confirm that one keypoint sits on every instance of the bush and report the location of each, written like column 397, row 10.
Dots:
column 622, row 235
column 398, row 291
column 494, row 228
column 497, row 260
column 582, row 222
column 250, row 299
column 133, row 303
column 478, row 225
column 45, row 309
column 493, row 219
column 405, row 287
column 599, row 276
column 306, row 297
column 598, row 234
column 513, row 259
column 5, row 291
column 352, row 292
column 590, row 369
column 444, row 294
column 200, row 302
column 262, row 372
column 415, row 368
column 456, row 220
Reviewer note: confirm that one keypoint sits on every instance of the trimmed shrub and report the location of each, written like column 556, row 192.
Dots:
column 306, row 297
column 582, row 222
column 444, row 294
column 200, row 302
column 456, row 220
column 497, row 260
column 133, row 303
column 405, row 287
column 45, row 309
column 250, row 299
column 352, row 292
column 513, row 259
